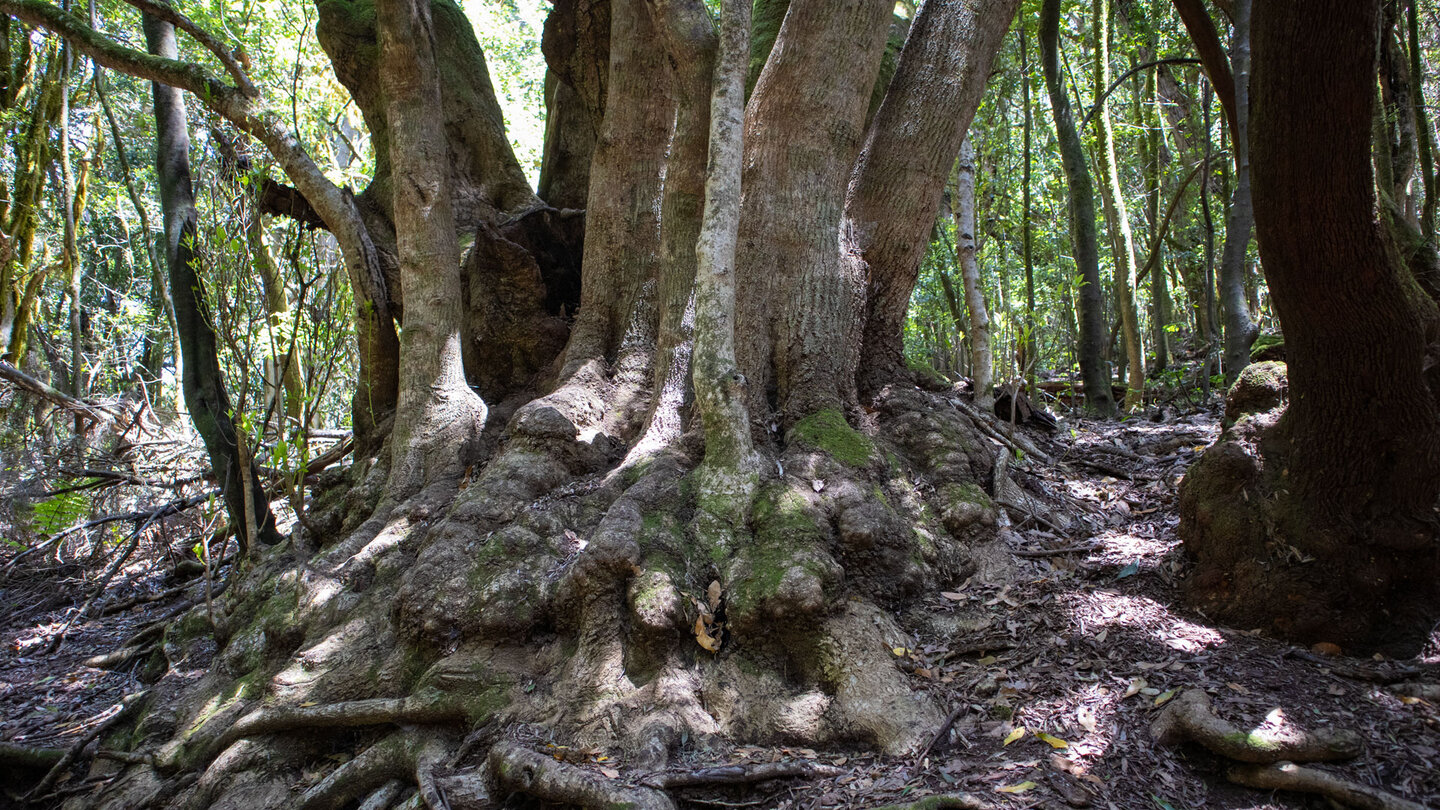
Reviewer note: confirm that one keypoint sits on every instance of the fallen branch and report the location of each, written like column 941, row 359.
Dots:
column 1289, row 776
column 740, row 774
column 519, row 770
column 53, row 395
column 1388, row 674
column 121, row 710
column 1189, row 717
column 1055, row 552
column 995, row 429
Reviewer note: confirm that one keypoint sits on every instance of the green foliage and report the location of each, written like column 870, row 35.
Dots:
column 63, row 510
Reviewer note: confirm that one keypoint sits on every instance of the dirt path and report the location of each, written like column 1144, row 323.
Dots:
column 1053, row 680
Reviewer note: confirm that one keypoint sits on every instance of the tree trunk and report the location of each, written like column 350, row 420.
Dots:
column 1118, row 215
column 1155, row 172
column 1335, row 536
column 965, row 249
column 1094, row 371
column 795, row 298
column 438, row 418
column 204, row 385
column 898, row 183
column 1240, row 328
column 1029, row 345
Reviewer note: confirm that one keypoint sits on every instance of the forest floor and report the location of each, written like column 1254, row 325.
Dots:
column 1051, row 703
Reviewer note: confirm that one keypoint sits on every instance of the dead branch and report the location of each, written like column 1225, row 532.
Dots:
column 1289, row 776
column 1189, row 717
column 519, row 770
column 120, row 711
column 992, row 426
column 1055, row 552
column 740, row 774
column 95, row 413
column 1382, row 675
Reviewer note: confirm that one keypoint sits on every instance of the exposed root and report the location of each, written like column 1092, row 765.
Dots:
column 1289, row 776
column 520, row 770
column 383, row 797
column 374, row 712
column 403, row 756
column 1424, row 691
column 121, row 712
column 740, row 775
column 1189, row 717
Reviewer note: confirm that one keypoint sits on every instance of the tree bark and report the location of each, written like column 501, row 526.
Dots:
column 982, row 362
column 1094, row 371
column 1118, row 214
column 795, row 297
column 438, row 418
column 1240, row 328
column 1348, row 477
column 910, row 148
column 204, row 383
column 1029, row 344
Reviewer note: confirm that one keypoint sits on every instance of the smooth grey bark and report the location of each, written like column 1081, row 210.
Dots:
column 728, row 476
column 1029, row 356
column 982, row 362
column 438, row 418
column 1240, row 328
column 910, row 149
column 1094, row 370
column 204, row 384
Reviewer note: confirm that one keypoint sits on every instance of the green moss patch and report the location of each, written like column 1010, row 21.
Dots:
column 828, row 431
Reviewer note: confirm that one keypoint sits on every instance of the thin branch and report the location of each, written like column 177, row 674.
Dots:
column 164, row 11
column 1178, row 60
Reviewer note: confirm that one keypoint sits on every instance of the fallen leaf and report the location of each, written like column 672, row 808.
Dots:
column 1164, row 697
column 1129, row 571
column 713, row 595
column 1235, row 687
column 1014, row 735
column 1086, row 717
column 1136, row 684
column 610, row 773
column 1020, row 788
column 1325, row 648
column 703, row 637
column 899, row 651
column 307, row 704
column 953, row 596
column 1052, row 740
column 817, row 485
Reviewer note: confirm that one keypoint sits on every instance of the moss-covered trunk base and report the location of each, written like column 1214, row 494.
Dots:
column 564, row 596
column 1263, row 561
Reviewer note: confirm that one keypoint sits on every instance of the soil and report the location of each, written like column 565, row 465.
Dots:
column 1052, row 684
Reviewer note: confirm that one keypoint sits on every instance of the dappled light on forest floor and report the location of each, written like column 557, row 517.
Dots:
column 1052, row 678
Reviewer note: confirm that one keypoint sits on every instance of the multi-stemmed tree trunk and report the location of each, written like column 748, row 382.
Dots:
column 1094, row 371
column 1117, row 213
column 203, row 381
column 577, row 559
column 1321, row 525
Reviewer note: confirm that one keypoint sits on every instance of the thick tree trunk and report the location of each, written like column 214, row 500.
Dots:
column 1335, row 535
column 1029, row 343
column 981, row 361
column 204, row 385
column 1094, row 371
column 438, row 418
column 901, row 174
column 1154, row 163
column 1118, row 215
column 795, row 298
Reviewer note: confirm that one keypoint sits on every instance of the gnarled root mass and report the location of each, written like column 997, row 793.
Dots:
column 1270, row 752
column 565, row 587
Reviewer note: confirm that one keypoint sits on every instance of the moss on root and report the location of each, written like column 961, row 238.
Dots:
column 828, row 431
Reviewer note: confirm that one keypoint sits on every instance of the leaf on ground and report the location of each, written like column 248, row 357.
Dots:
column 953, row 596
column 703, row 637
column 1086, row 717
column 900, row 652
column 1164, row 697
column 713, row 595
column 1020, row 788
column 1051, row 740
column 1129, row 571
column 610, row 773
column 1014, row 735
column 1136, row 684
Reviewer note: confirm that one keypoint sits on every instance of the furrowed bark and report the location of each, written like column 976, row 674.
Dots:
column 911, row 145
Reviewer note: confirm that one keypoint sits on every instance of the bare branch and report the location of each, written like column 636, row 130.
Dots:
column 164, row 11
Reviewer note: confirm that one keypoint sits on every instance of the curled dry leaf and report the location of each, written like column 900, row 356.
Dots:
column 712, row 595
